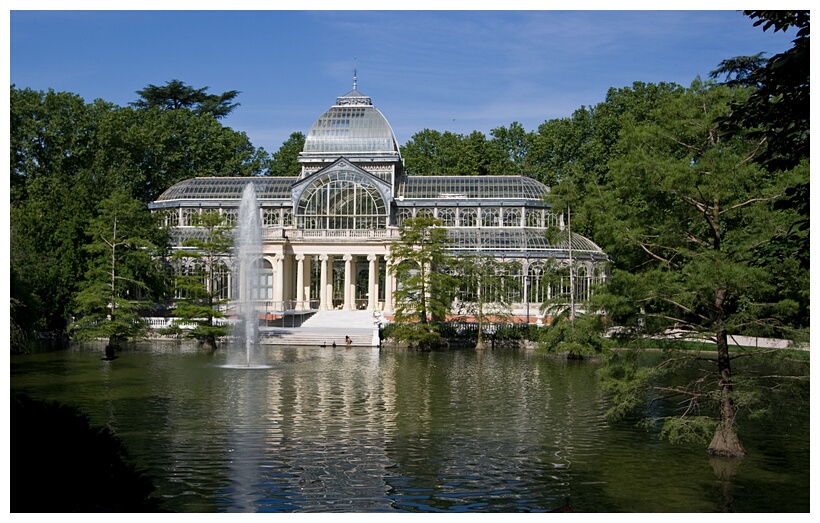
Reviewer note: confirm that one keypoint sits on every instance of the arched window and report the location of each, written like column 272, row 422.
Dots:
column 341, row 200
column 402, row 215
column 270, row 217
column 447, row 217
column 188, row 217
column 553, row 220
column 230, row 217
column 468, row 218
column 287, row 217
column 489, row 217
column 534, row 218
column 538, row 288
column 262, row 286
column 512, row 217
column 582, row 283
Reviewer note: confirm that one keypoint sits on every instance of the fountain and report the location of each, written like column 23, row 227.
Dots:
column 247, row 252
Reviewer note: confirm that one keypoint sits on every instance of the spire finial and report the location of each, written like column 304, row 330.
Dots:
column 354, row 73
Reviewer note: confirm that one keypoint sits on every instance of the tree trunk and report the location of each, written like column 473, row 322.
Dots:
column 209, row 343
column 725, row 441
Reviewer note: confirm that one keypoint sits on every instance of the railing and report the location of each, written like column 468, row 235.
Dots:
column 156, row 322
column 330, row 234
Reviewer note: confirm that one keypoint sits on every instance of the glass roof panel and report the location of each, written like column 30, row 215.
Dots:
column 349, row 129
column 474, row 187
column 516, row 241
column 229, row 188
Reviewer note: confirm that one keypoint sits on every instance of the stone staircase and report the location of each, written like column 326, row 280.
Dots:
column 324, row 328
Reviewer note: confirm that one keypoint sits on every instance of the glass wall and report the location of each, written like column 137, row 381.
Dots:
column 341, row 200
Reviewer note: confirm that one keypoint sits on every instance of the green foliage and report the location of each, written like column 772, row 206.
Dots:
column 197, row 279
column 176, row 95
column 423, row 336
column 431, row 152
column 690, row 429
column 424, row 292
column 284, row 162
column 68, row 156
column 578, row 336
column 124, row 257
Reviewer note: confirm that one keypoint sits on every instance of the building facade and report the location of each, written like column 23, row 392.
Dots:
column 327, row 233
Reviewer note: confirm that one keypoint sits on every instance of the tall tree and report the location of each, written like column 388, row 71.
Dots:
column 689, row 210
column 176, row 95
column 777, row 115
column 200, row 278
column 424, row 291
column 485, row 289
column 125, row 250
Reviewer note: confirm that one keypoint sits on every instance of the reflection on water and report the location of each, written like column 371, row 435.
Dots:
column 344, row 430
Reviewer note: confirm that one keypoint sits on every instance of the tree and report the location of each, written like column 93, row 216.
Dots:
column 125, row 250
column 176, row 95
column 575, row 327
column 431, row 152
column 513, row 145
column 285, row 161
column 424, row 293
column 53, row 195
column 200, row 278
column 777, row 115
column 484, row 288
column 67, row 156
column 690, row 209
column 150, row 150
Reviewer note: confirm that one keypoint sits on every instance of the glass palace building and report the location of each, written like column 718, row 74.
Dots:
column 327, row 233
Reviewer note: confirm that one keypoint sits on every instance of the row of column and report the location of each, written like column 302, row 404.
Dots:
column 301, row 294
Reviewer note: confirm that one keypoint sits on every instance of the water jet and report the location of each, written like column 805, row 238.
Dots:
column 247, row 254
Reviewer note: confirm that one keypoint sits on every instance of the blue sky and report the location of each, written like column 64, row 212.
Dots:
column 445, row 70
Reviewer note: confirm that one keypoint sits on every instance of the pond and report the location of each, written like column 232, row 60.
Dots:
column 368, row 430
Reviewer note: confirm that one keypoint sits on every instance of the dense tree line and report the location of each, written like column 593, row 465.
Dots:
column 67, row 157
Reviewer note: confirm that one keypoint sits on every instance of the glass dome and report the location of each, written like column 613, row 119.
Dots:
column 352, row 126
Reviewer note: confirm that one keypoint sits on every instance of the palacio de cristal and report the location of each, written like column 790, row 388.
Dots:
column 327, row 233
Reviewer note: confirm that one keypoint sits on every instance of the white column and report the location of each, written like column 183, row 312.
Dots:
column 323, row 305
column 389, row 285
column 350, row 290
column 279, row 282
column 372, row 283
column 300, row 282
column 329, row 285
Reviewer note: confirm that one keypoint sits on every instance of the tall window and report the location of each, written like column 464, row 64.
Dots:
column 262, row 287
column 341, row 200
column 538, row 288
column 533, row 218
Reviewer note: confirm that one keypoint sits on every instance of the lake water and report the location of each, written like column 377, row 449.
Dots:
column 363, row 430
